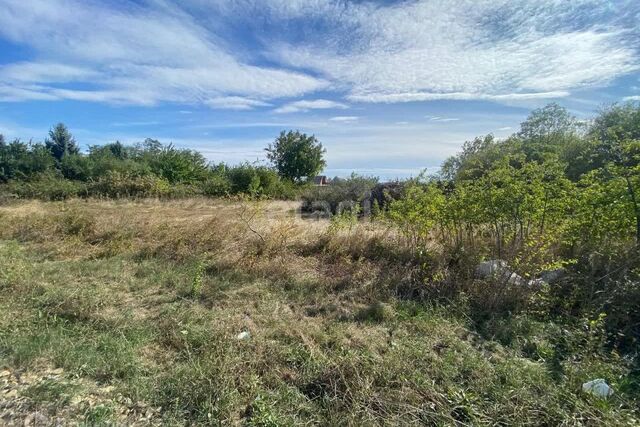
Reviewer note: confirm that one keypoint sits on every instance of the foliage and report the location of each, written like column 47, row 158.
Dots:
column 61, row 143
column 21, row 161
column 147, row 169
column 47, row 186
column 296, row 155
column 341, row 194
column 116, row 185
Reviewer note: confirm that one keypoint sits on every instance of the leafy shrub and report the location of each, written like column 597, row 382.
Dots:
column 47, row 186
column 216, row 185
column 117, row 185
column 340, row 194
column 259, row 181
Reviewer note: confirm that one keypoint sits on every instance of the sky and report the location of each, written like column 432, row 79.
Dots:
column 389, row 87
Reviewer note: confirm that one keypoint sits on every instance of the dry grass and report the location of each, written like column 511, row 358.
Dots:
column 148, row 298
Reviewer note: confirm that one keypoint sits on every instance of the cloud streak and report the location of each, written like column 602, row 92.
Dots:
column 306, row 105
column 141, row 56
column 154, row 51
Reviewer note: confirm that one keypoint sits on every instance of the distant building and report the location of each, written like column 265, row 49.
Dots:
column 320, row 181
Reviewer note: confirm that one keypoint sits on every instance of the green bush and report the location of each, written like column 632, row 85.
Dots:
column 215, row 185
column 47, row 186
column 339, row 194
column 117, row 185
column 259, row 181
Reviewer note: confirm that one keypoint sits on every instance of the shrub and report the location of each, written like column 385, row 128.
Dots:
column 340, row 194
column 259, row 181
column 47, row 186
column 117, row 185
column 216, row 185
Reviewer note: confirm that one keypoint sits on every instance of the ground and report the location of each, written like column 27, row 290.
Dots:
column 242, row 313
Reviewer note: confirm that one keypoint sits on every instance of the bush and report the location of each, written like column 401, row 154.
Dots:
column 216, row 185
column 47, row 186
column 117, row 185
column 259, row 181
column 340, row 194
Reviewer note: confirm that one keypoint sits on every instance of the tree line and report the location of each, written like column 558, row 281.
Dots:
column 557, row 175
column 57, row 169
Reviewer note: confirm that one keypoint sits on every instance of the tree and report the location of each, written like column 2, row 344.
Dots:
column 60, row 142
column 548, row 122
column 296, row 155
column 617, row 131
column 550, row 131
column 19, row 160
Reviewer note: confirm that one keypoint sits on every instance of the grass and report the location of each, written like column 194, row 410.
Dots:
column 147, row 298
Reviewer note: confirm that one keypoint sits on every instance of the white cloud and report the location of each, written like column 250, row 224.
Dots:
column 24, row 93
column 458, row 96
column 469, row 50
column 44, row 72
column 306, row 105
column 442, row 119
column 191, row 52
column 235, row 103
column 632, row 98
column 135, row 55
column 345, row 119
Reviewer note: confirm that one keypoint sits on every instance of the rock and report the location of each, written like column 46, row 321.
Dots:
column 598, row 387
column 515, row 279
column 537, row 282
column 552, row 276
column 492, row 268
column 498, row 269
column 243, row 336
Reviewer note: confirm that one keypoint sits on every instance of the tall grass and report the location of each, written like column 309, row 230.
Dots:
column 149, row 298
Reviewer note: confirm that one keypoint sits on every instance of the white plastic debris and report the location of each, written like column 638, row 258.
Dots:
column 598, row 387
column 243, row 336
column 492, row 268
column 498, row 269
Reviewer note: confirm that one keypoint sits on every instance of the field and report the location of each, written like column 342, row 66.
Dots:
column 215, row 312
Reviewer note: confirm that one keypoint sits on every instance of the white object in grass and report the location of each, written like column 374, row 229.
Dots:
column 598, row 387
column 243, row 336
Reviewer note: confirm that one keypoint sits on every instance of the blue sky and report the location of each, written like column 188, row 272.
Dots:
column 389, row 87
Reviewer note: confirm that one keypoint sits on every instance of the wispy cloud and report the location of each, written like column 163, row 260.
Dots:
column 345, row 119
column 442, row 119
column 483, row 50
column 235, row 103
column 191, row 52
column 136, row 55
column 306, row 105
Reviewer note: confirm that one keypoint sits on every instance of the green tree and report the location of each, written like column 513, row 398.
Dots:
column 296, row 155
column 20, row 161
column 475, row 159
column 617, row 132
column 60, row 142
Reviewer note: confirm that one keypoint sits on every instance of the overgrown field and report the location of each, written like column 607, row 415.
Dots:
column 134, row 313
